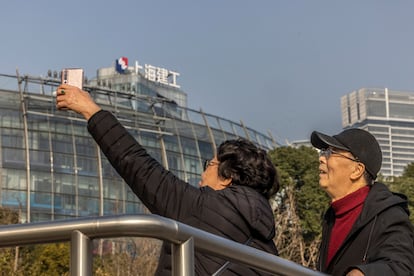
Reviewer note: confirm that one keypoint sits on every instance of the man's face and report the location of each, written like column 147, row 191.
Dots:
column 335, row 169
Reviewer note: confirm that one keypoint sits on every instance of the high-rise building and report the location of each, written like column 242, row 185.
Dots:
column 389, row 116
column 52, row 169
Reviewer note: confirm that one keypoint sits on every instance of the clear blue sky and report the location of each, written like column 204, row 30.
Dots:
column 279, row 66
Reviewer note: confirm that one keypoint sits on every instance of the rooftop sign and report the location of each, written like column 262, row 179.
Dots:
column 150, row 72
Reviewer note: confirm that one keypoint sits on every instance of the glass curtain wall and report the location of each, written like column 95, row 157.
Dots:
column 52, row 169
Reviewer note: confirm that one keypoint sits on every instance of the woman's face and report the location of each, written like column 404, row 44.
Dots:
column 210, row 176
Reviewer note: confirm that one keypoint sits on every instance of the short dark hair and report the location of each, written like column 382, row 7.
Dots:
column 247, row 165
column 368, row 178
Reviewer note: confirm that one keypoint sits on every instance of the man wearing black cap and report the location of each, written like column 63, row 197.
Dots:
column 366, row 230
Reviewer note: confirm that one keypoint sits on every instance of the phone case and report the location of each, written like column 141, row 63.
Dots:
column 73, row 76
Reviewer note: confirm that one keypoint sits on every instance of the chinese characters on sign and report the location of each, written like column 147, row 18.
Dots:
column 158, row 74
column 152, row 73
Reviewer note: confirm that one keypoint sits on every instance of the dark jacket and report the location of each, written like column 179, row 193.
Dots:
column 237, row 212
column 379, row 243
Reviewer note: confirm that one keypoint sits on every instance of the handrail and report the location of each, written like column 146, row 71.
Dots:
column 184, row 238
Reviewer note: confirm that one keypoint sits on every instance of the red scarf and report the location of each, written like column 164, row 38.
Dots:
column 347, row 210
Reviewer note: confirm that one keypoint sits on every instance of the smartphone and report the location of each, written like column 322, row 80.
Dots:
column 73, row 76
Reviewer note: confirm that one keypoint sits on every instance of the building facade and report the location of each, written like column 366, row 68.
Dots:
column 52, row 169
column 389, row 116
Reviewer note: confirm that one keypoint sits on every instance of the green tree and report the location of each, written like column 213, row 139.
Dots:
column 8, row 256
column 43, row 259
column 405, row 184
column 46, row 259
column 8, row 216
column 298, row 168
column 299, row 205
column 409, row 171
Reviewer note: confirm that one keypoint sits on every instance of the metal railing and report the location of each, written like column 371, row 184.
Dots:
column 184, row 239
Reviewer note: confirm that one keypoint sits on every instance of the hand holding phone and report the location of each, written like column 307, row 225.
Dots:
column 70, row 98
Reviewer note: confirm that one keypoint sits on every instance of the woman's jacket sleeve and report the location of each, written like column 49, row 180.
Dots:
column 161, row 191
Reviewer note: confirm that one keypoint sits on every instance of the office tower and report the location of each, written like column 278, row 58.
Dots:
column 389, row 116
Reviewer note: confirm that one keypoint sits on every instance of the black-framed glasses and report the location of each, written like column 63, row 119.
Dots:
column 208, row 163
column 329, row 151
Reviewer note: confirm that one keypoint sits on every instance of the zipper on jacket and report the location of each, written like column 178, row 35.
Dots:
column 364, row 259
column 326, row 232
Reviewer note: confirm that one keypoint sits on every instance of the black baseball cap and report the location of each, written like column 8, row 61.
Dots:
column 362, row 144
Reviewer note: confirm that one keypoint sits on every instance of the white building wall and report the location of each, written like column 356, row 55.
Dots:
column 389, row 116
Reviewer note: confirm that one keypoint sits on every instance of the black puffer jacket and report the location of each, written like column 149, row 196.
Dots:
column 236, row 212
column 380, row 242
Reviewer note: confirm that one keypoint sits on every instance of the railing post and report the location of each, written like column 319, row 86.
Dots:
column 80, row 254
column 183, row 258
